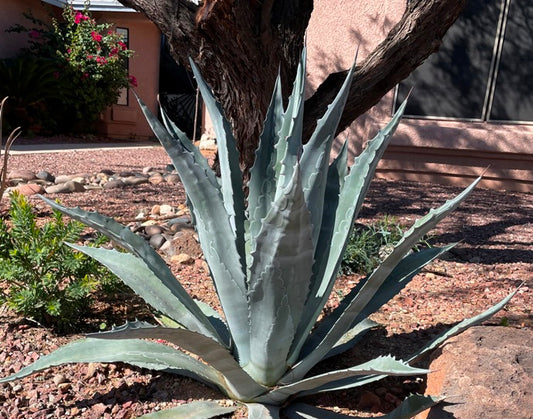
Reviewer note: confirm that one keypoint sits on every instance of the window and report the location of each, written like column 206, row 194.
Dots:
column 483, row 68
column 123, row 98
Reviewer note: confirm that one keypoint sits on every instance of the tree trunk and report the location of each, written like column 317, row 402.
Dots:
column 240, row 45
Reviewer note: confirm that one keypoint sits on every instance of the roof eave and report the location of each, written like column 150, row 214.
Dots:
column 94, row 6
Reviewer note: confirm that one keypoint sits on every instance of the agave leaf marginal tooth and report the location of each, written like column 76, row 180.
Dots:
column 288, row 149
column 202, row 409
column 377, row 278
column 384, row 365
column 335, row 230
column 216, row 234
column 230, row 171
column 153, row 262
column 262, row 184
column 140, row 353
column 279, row 280
column 238, row 383
column 138, row 276
column 402, row 274
column 316, row 155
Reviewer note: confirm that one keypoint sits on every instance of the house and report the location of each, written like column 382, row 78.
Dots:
column 472, row 102
column 471, row 107
column 124, row 119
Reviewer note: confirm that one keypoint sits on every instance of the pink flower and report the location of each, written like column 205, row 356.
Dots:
column 114, row 51
column 132, row 80
column 78, row 17
column 96, row 36
column 101, row 60
column 90, row 57
column 35, row 34
column 123, row 45
column 85, row 76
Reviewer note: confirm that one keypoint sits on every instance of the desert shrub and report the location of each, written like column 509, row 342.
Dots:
column 44, row 279
column 370, row 244
column 85, row 64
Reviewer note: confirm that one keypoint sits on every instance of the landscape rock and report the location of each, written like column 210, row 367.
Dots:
column 157, row 240
column 182, row 259
column 25, row 175
column 156, row 179
column 29, row 189
column 114, row 184
column 172, row 178
column 66, row 187
column 46, row 176
column 135, row 180
column 485, row 372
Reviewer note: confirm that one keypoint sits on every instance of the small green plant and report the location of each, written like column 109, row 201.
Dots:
column 370, row 244
column 46, row 280
column 88, row 66
column 4, row 150
column 274, row 263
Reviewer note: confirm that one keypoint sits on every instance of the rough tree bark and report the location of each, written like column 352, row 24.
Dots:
column 239, row 46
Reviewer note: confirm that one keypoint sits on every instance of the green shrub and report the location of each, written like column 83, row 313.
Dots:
column 369, row 245
column 85, row 62
column 274, row 263
column 44, row 279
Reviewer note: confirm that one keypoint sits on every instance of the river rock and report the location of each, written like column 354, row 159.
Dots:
column 156, row 179
column 182, row 259
column 135, row 180
column 29, row 189
column 66, row 187
column 46, row 176
column 25, row 175
column 114, row 184
column 485, row 372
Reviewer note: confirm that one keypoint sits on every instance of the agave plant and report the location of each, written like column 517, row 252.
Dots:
column 273, row 257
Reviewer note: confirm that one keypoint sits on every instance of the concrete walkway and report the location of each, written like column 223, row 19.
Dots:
column 61, row 147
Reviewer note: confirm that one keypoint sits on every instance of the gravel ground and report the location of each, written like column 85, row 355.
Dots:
column 494, row 256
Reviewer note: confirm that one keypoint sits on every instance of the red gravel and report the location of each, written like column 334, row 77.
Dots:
column 495, row 255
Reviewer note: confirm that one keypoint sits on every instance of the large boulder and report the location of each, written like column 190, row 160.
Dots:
column 485, row 372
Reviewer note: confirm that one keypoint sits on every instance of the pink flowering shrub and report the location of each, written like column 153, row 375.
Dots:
column 90, row 65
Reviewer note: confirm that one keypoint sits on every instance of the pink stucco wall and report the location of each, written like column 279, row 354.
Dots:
column 451, row 152
column 144, row 38
column 11, row 13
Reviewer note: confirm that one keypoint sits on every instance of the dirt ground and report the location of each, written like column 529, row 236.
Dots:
column 494, row 256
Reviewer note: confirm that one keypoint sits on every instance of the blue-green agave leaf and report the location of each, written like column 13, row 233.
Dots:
column 411, row 406
column 262, row 184
column 335, row 230
column 462, row 326
column 316, row 156
column 279, row 281
column 262, row 411
column 138, row 276
column 179, row 135
column 239, row 385
column 383, row 365
column 402, row 274
column 376, row 279
column 195, row 410
column 140, row 353
column 289, row 146
column 230, row 171
column 168, row 291
column 216, row 234
column 351, row 337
